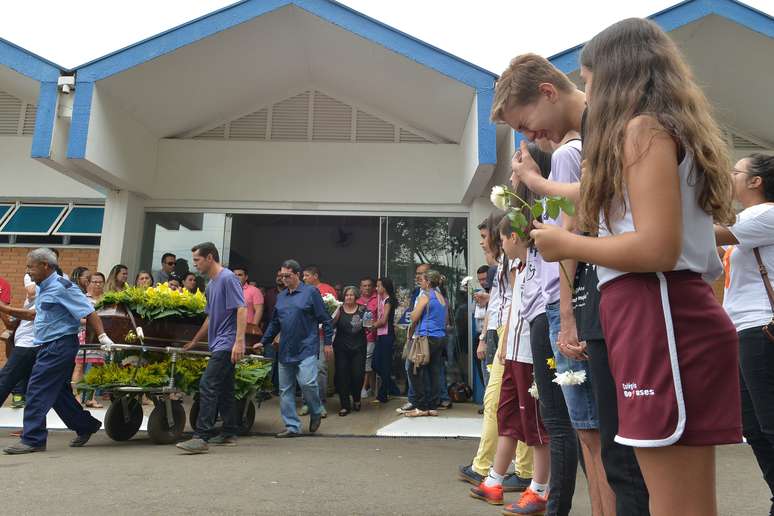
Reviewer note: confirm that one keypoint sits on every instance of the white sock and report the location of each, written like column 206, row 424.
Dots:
column 493, row 479
column 538, row 488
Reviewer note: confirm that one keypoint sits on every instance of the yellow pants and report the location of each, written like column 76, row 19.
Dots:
column 488, row 444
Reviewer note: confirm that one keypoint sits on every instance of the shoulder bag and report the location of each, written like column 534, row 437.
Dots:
column 419, row 348
column 768, row 329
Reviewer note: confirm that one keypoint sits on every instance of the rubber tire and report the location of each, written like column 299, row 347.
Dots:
column 158, row 428
column 193, row 414
column 115, row 426
column 246, row 423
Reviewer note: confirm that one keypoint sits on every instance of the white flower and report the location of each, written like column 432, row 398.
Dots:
column 533, row 391
column 570, row 378
column 466, row 281
column 330, row 299
column 498, row 197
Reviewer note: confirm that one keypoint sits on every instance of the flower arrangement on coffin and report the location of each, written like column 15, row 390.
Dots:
column 331, row 304
column 504, row 198
column 157, row 302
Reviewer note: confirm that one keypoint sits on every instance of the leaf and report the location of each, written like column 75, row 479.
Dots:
column 567, row 206
column 537, row 209
column 552, row 208
column 518, row 220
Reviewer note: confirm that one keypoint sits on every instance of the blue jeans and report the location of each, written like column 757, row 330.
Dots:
column 563, row 443
column 16, row 372
column 305, row 372
column 216, row 395
column 49, row 387
column 383, row 366
column 579, row 398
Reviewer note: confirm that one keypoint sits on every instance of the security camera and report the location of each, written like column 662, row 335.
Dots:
column 66, row 83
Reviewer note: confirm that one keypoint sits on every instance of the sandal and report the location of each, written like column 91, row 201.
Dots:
column 94, row 404
column 432, row 413
column 343, row 412
column 416, row 413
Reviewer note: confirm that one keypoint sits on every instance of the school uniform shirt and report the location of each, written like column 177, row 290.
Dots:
column 24, row 336
column 745, row 297
column 499, row 298
column 698, row 249
column 532, row 299
column 517, row 346
column 224, row 296
column 59, row 307
column 565, row 168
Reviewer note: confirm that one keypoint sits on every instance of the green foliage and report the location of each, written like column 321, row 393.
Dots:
column 188, row 372
column 251, row 376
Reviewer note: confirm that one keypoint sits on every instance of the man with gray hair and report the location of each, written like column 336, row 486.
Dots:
column 59, row 307
column 298, row 312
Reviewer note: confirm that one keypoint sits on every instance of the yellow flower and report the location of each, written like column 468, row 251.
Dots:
column 551, row 363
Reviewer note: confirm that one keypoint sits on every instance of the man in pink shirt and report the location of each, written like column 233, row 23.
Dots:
column 370, row 301
column 253, row 296
column 312, row 277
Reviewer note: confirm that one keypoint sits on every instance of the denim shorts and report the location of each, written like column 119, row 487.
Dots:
column 579, row 398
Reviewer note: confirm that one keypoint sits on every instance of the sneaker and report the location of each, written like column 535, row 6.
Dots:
column 287, row 434
column 223, row 440
column 514, row 483
column 324, row 413
column 17, row 401
column 20, row 448
column 468, row 474
column 363, row 394
column 529, row 503
column 194, row 446
column 408, row 407
column 491, row 495
column 304, row 410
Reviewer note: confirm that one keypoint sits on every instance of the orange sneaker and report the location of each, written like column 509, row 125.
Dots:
column 491, row 495
column 530, row 503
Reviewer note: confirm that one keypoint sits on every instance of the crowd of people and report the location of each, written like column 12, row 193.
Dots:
column 601, row 338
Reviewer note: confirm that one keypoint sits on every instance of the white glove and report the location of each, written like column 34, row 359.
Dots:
column 104, row 339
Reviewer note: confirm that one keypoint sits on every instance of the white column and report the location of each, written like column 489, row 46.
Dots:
column 121, row 231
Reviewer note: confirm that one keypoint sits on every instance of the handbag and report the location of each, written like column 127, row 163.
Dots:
column 768, row 329
column 419, row 347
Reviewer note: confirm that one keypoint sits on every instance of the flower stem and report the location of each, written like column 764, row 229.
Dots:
column 522, row 201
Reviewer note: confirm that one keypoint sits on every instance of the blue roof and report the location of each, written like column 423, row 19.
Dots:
column 682, row 14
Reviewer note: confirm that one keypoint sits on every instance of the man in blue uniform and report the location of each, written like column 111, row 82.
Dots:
column 297, row 314
column 59, row 307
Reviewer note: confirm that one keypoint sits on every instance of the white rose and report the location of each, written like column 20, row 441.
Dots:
column 498, row 197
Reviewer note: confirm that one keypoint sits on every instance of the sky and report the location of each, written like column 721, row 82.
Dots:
column 487, row 33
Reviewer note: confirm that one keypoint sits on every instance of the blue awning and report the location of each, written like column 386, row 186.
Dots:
column 33, row 219
column 5, row 209
column 81, row 221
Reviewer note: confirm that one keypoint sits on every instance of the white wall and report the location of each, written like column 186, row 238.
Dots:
column 119, row 149
column 23, row 177
column 309, row 172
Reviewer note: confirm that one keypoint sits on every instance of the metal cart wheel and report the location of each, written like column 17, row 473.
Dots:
column 123, row 418
column 246, row 412
column 160, row 429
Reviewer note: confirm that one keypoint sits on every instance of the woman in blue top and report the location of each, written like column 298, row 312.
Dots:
column 428, row 319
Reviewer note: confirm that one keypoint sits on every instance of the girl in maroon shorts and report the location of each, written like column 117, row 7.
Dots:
column 656, row 176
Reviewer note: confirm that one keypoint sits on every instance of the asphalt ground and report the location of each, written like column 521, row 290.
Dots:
column 263, row 475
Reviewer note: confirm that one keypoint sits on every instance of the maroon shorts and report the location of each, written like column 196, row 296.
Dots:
column 673, row 353
column 517, row 413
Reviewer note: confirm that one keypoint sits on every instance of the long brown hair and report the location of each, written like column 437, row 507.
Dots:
column 638, row 70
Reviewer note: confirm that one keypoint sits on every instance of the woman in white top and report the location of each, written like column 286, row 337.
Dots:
column 656, row 176
column 748, row 304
